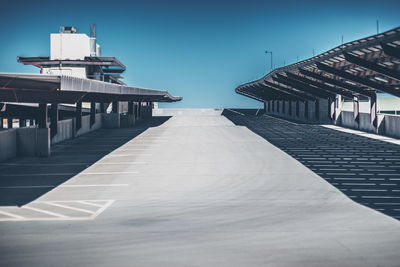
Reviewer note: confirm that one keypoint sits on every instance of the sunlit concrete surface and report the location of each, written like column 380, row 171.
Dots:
column 194, row 191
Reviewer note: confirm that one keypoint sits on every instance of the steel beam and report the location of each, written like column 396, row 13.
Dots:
column 391, row 50
column 347, row 86
column 360, row 80
column 372, row 66
column 320, row 85
column 291, row 91
column 301, row 86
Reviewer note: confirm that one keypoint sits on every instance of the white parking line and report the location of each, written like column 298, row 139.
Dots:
column 68, row 207
column 44, row 211
column 11, row 215
column 49, row 215
column 66, row 185
column 96, row 173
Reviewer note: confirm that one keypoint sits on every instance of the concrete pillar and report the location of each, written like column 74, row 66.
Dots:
column 306, row 109
column 22, row 123
column 331, row 108
column 9, row 123
column 92, row 113
column 265, row 107
column 130, row 107
column 42, row 118
column 277, row 106
column 53, row 119
column 283, row 106
column 290, row 108
column 316, row 110
column 297, row 108
column 273, row 106
column 78, row 116
column 102, row 107
column 43, row 142
column 356, row 109
column 1, row 123
column 373, row 110
column 115, row 107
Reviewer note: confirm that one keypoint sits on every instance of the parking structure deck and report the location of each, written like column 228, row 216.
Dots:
column 366, row 170
column 186, row 191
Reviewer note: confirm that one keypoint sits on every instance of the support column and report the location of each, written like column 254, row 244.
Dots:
column 283, row 106
column 269, row 106
column 290, row 108
column 372, row 110
column 331, row 108
column 1, row 123
column 9, row 123
column 22, row 123
column 297, row 108
column 356, row 109
column 277, row 106
column 306, row 109
column 115, row 107
column 53, row 119
column 316, row 109
column 130, row 108
column 43, row 132
column 78, row 115
column 273, row 106
column 140, row 109
column 265, row 107
column 42, row 118
column 92, row 113
column 102, row 107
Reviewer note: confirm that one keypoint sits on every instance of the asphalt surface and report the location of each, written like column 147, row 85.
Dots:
column 193, row 191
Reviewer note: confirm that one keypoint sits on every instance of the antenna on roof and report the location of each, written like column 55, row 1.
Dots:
column 377, row 26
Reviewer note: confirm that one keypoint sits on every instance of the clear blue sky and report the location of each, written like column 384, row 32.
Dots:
column 200, row 50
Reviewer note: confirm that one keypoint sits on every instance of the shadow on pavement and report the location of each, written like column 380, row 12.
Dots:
column 25, row 179
column 365, row 169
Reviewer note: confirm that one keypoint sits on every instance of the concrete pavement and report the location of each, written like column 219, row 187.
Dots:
column 194, row 191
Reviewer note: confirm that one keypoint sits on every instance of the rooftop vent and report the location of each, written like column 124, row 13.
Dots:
column 67, row 29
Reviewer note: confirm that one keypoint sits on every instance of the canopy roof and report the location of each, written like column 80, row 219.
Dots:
column 356, row 69
column 39, row 88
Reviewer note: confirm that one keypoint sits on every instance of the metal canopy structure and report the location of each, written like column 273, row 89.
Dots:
column 39, row 88
column 356, row 69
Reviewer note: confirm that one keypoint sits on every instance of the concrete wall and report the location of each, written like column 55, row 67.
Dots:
column 391, row 125
column 111, row 120
column 8, row 144
column 32, row 141
column 66, row 128
column 26, row 141
column 85, row 128
column 311, row 118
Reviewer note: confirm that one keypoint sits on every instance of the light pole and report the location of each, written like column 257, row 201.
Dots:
column 269, row 52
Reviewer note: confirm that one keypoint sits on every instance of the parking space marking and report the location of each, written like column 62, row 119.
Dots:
column 11, row 215
column 66, row 185
column 16, row 214
column 44, row 211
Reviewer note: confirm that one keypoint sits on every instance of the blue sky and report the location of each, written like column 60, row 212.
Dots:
column 200, row 50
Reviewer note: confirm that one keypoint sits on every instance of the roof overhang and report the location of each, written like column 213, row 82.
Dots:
column 39, row 88
column 359, row 68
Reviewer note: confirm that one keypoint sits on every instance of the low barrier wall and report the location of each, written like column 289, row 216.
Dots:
column 8, row 144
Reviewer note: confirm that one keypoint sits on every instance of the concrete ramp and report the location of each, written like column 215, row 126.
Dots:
column 187, row 112
column 201, row 191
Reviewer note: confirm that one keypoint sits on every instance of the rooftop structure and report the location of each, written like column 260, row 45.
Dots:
column 76, row 54
column 314, row 89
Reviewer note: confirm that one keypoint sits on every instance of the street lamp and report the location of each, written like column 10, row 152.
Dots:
column 269, row 52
